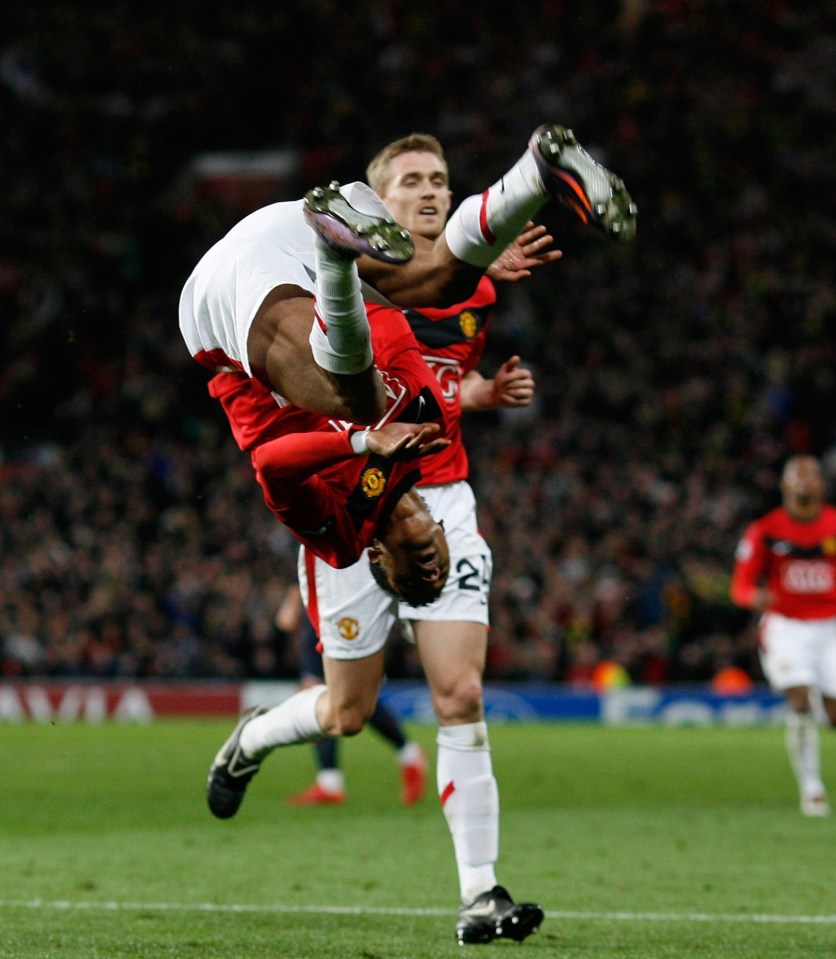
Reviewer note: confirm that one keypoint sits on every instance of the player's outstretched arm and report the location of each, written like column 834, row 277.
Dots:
column 405, row 441
column 529, row 250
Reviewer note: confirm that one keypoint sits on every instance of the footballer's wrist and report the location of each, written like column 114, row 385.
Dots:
column 358, row 441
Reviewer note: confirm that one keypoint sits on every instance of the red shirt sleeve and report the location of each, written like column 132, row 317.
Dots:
column 749, row 566
column 300, row 455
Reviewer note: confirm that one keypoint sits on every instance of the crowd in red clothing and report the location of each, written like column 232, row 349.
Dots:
column 675, row 375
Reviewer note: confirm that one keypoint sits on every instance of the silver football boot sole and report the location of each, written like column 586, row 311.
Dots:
column 350, row 232
column 590, row 190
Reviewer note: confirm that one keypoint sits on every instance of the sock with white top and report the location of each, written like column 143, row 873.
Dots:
column 470, row 800
column 802, row 737
column 410, row 754
column 330, row 780
column 340, row 337
column 293, row 721
column 483, row 226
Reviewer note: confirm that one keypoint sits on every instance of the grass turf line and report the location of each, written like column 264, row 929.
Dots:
column 649, row 842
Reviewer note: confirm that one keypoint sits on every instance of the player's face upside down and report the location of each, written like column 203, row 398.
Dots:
column 412, row 553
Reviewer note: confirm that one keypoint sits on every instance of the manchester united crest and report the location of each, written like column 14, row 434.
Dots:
column 372, row 482
column 828, row 545
column 469, row 324
column 348, row 628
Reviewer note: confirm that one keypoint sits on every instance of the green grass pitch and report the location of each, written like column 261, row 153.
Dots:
column 646, row 843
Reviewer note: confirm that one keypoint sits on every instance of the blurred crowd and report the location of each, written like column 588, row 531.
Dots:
column 674, row 376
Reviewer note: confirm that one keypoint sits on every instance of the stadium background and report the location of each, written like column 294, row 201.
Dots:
column 674, row 375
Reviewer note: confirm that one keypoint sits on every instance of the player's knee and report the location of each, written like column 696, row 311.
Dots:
column 798, row 699
column 362, row 395
column 461, row 703
column 349, row 720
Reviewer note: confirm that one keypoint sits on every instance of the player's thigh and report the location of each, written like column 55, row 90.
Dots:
column 279, row 349
column 433, row 277
column 787, row 648
column 452, row 655
column 827, row 663
column 354, row 684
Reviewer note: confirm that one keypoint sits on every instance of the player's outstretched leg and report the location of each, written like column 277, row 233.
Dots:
column 495, row 915
column 232, row 770
column 577, row 181
column 351, row 232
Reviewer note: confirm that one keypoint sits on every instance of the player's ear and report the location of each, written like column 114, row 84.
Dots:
column 375, row 551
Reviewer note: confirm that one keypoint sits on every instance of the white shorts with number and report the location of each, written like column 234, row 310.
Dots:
column 799, row 652
column 355, row 615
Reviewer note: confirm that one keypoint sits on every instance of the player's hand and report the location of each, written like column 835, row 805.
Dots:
column 762, row 600
column 406, row 441
column 526, row 252
column 513, row 385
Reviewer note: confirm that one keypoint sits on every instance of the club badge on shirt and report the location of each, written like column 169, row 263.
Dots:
column 372, row 482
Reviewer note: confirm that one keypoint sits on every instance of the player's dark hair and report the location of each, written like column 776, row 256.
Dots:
column 415, row 594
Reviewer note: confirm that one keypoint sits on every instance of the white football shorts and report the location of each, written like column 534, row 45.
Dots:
column 798, row 652
column 355, row 616
column 270, row 247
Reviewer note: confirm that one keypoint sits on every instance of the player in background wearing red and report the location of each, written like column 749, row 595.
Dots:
column 412, row 177
column 249, row 304
column 785, row 569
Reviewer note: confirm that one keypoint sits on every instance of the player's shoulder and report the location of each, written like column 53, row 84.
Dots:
column 454, row 330
column 826, row 522
column 482, row 299
column 768, row 523
column 485, row 294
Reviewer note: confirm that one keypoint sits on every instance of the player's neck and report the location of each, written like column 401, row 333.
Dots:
column 804, row 514
column 409, row 505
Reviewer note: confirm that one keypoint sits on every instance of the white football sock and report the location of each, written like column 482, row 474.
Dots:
column 470, row 800
column 802, row 737
column 340, row 337
column 483, row 226
column 331, row 780
column 410, row 754
column 293, row 721
column 363, row 198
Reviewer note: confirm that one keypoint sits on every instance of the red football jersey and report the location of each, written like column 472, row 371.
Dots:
column 795, row 561
column 452, row 342
column 332, row 500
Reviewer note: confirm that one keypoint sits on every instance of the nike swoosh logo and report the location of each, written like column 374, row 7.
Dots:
column 485, row 910
column 421, row 404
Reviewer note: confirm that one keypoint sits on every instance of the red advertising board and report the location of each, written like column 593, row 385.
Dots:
column 129, row 702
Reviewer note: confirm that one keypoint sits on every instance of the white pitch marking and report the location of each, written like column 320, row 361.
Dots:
column 393, row 911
